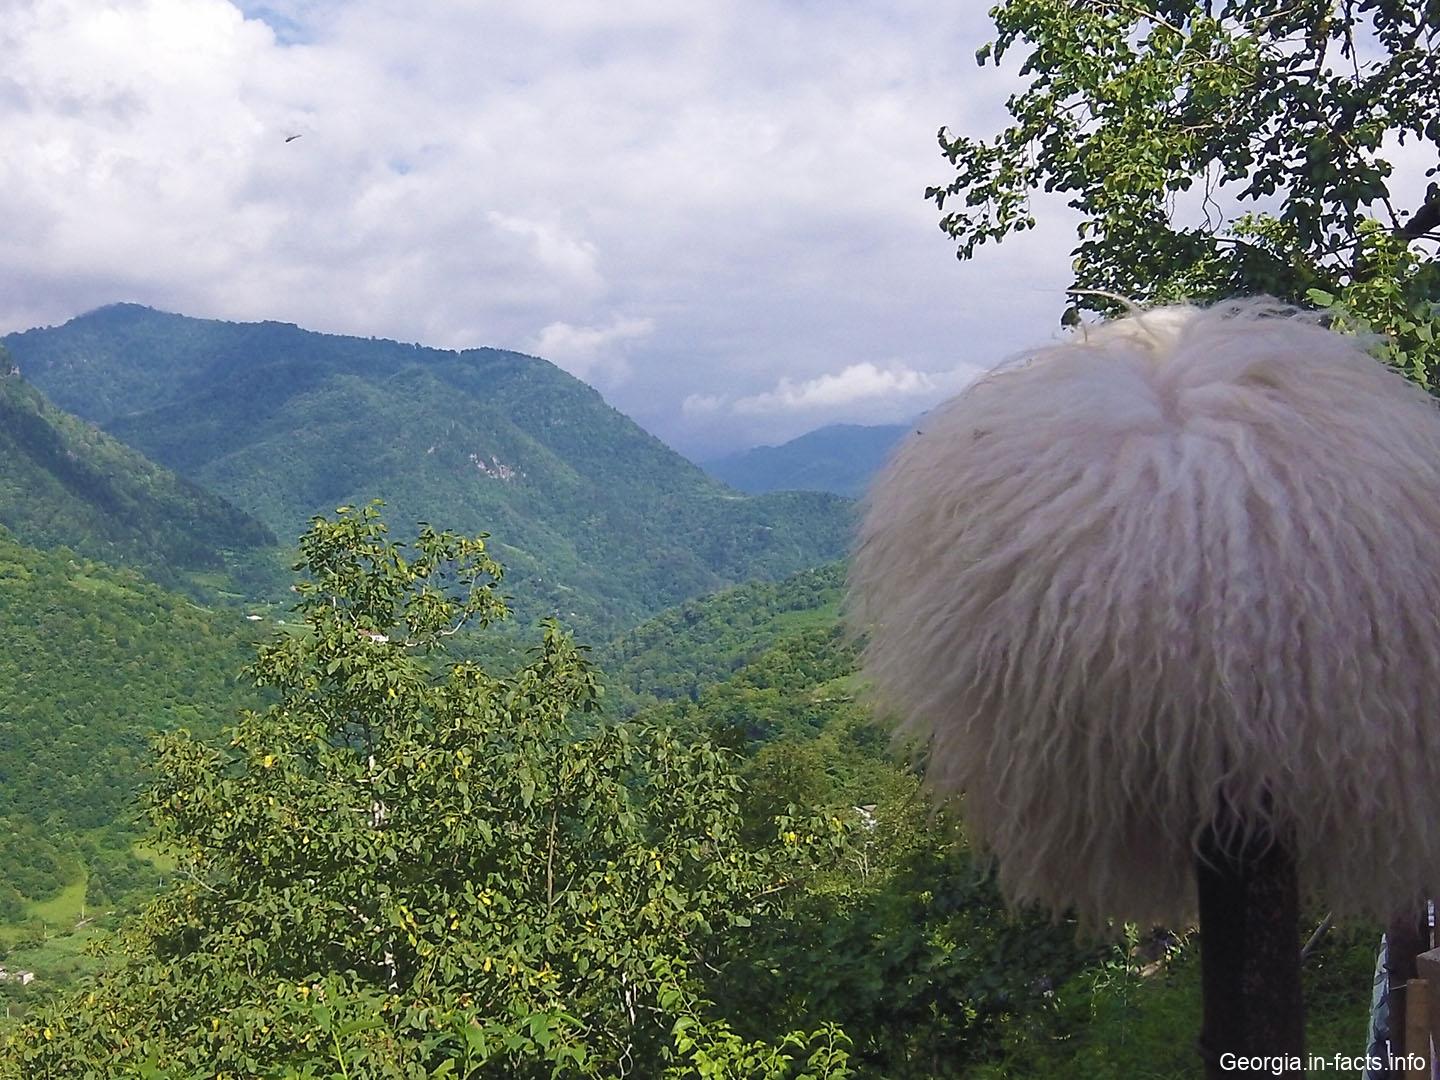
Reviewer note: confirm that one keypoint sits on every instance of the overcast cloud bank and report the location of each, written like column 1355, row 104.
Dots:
column 713, row 212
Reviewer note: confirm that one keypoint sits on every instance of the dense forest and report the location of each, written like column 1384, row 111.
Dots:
column 97, row 660
column 63, row 481
column 705, row 640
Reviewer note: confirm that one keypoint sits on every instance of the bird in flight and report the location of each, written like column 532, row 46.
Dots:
column 292, row 138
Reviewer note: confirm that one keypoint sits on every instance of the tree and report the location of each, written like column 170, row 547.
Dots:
column 406, row 867
column 1294, row 107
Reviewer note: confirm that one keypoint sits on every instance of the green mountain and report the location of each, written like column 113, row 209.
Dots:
column 673, row 655
column 596, row 520
column 95, row 660
column 839, row 458
column 65, row 482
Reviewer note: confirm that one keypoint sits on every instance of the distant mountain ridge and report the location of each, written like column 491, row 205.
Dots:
column 598, row 521
column 65, row 482
column 837, row 458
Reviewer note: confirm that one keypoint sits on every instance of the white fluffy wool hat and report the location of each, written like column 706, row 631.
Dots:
column 1186, row 565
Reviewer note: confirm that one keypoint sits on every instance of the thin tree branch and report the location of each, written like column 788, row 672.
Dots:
column 550, row 865
column 1424, row 220
column 1318, row 935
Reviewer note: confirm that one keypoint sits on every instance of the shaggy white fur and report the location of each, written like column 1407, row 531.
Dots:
column 1188, row 564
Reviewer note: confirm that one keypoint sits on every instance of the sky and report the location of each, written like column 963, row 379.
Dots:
column 713, row 212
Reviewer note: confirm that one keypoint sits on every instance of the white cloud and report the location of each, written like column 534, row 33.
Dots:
column 587, row 350
column 701, row 404
column 749, row 175
column 554, row 249
column 858, row 382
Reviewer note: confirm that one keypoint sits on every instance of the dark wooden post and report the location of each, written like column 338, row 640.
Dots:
column 1250, row 957
column 1406, row 937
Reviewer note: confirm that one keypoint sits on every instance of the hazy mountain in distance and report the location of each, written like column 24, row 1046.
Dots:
column 838, row 458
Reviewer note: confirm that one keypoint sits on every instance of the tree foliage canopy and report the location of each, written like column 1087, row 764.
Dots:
column 1296, row 108
column 408, row 868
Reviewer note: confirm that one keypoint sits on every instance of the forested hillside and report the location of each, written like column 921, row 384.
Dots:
column 745, row 903
column 705, row 640
column 96, row 660
column 65, row 482
column 597, row 521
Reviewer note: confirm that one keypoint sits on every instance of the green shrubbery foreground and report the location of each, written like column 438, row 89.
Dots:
column 408, row 868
